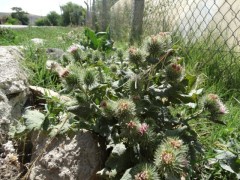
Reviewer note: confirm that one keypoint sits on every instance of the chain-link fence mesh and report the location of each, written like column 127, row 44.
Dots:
column 218, row 20
column 212, row 25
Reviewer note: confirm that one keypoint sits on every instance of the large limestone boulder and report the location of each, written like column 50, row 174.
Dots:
column 13, row 95
column 13, row 87
column 76, row 157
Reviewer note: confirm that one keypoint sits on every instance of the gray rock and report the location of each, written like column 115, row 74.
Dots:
column 68, row 158
column 13, row 87
column 54, row 53
column 38, row 41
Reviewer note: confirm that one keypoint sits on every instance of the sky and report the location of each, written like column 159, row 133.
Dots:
column 37, row 7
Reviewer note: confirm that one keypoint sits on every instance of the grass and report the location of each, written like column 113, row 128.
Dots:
column 35, row 55
column 55, row 36
column 219, row 65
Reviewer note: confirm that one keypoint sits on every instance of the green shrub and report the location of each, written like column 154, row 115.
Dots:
column 7, row 36
column 42, row 22
column 12, row 21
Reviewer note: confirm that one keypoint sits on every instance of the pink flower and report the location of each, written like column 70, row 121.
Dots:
column 103, row 104
column 142, row 176
column 73, row 48
column 131, row 124
column 64, row 73
column 222, row 108
column 143, row 128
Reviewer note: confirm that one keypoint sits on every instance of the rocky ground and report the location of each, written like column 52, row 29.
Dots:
column 13, row 95
column 77, row 157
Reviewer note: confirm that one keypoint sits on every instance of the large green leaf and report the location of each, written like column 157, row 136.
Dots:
column 127, row 175
column 60, row 128
column 33, row 119
column 93, row 40
column 119, row 149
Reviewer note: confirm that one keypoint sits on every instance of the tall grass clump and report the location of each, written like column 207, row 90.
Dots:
column 212, row 56
column 36, row 54
column 57, row 37
column 35, row 65
column 120, row 22
column 219, row 64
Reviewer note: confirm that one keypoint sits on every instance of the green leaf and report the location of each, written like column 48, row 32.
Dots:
column 224, row 155
column 191, row 80
column 226, row 167
column 191, row 105
column 127, row 175
column 34, row 119
column 17, row 129
column 20, row 128
column 60, row 128
column 119, row 149
column 108, row 174
column 94, row 42
column 119, row 158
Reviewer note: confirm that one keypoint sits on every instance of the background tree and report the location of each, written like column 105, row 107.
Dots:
column 42, row 22
column 105, row 14
column 88, row 13
column 101, row 14
column 21, row 15
column 53, row 18
column 94, row 16
column 137, row 21
column 72, row 14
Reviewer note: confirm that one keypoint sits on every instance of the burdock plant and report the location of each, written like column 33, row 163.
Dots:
column 171, row 158
column 89, row 78
column 135, row 56
column 129, row 103
column 74, row 50
column 135, row 84
column 143, row 171
column 125, row 109
column 215, row 107
column 154, row 45
column 174, row 72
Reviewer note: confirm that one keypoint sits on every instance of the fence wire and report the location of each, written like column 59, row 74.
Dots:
column 215, row 20
column 214, row 25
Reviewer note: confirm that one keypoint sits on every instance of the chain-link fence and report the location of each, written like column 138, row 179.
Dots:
column 192, row 19
column 212, row 25
column 218, row 20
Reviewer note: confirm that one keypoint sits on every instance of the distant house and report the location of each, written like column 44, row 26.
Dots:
column 33, row 18
column 3, row 17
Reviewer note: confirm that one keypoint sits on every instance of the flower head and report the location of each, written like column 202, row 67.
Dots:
column 103, row 104
column 171, row 157
column 167, row 157
column 143, row 128
column 222, row 108
column 176, row 143
column 176, row 67
column 131, row 124
column 63, row 73
column 144, row 171
column 141, row 176
column 72, row 49
column 125, row 109
column 213, row 103
column 174, row 72
column 135, row 55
